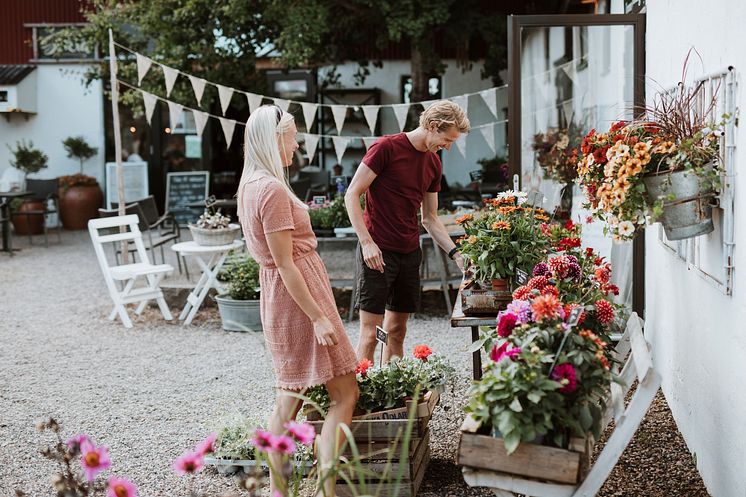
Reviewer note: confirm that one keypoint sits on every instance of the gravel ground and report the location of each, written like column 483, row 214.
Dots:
column 152, row 392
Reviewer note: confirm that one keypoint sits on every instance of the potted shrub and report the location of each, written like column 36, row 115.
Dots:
column 80, row 195
column 557, row 154
column 213, row 228
column 239, row 306
column 28, row 160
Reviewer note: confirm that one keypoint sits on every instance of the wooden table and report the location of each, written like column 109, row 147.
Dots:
column 458, row 320
column 6, row 214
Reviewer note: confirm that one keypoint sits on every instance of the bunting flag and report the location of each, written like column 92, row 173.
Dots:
column 254, row 101
column 311, row 142
column 198, row 85
column 427, row 103
column 371, row 117
column 340, row 113
column 309, row 114
column 228, row 125
column 369, row 140
column 567, row 109
column 225, row 93
column 170, row 74
column 401, row 115
column 462, row 101
column 489, row 136
column 490, row 99
column 200, row 119
column 282, row 103
column 340, row 145
column 143, row 65
column 461, row 145
column 174, row 113
column 149, row 100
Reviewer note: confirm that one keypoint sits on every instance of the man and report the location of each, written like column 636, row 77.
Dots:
column 400, row 174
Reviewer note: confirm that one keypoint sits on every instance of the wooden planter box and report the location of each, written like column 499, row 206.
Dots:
column 541, row 462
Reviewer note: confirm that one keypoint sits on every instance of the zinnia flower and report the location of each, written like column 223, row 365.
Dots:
column 119, row 487
column 206, row 445
column 501, row 225
column 422, row 352
column 506, row 324
column 262, row 440
column 188, row 463
column 303, row 432
column 541, row 269
column 93, row 459
column 465, row 218
column 565, row 374
column 283, row 444
column 546, row 307
column 363, row 366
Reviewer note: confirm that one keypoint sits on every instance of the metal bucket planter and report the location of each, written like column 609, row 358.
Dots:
column 690, row 214
column 239, row 315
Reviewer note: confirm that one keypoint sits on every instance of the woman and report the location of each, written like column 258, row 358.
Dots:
column 302, row 328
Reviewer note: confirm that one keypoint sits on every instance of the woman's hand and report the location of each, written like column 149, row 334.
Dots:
column 324, row 331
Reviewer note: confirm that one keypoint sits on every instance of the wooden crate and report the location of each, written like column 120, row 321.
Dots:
column 477, row 302
column 529, row 460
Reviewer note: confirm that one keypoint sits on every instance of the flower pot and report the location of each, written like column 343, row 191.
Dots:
column 239, row 315
column 29, row 225
column 212, row 237
column 690, row 214
column 79, row 204
column 500, row 285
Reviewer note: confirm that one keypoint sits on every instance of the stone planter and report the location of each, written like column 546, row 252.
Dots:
column 79, row 204
column 213, row 237
column 239, row 315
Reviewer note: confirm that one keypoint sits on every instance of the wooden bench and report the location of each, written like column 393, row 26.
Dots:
column 633, row 352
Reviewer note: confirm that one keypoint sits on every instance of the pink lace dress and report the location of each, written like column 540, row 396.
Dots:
column 298, row 360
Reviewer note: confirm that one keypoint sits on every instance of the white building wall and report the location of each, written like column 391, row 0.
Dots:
column 65, row 107
column 698, row 333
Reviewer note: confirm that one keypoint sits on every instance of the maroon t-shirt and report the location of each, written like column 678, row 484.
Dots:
column 395, row 196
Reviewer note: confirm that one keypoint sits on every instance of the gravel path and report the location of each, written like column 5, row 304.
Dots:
column 151, row 392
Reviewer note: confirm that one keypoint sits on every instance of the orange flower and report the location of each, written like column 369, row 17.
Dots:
column 501, row 225
column 363, row 365
column 546, row 307
column 465, row 218
column 422, row 352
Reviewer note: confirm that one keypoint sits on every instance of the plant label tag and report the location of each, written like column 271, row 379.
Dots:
column 319, row 199
column 382, row 335
column 476, row 175
column 521, row 276
column 575, row 316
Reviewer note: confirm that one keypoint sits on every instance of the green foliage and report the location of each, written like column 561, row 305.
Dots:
column 330, row 215
column 77, row 147
column 28, row 159
column 234, row 438
column 242, row 278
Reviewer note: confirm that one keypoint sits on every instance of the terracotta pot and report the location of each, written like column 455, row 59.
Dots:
column 29, row 225
column 79, row 204
column 500, row 285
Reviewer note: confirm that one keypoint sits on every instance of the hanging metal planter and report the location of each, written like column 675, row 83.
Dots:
column 689, row 214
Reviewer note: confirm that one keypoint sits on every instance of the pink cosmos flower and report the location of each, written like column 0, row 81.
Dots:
column 206, row 445
column 565, row 374
column 188, row 463
column 303, row 432
column 262, row 440
column 283, row 444
column 119, row 487
column 93, row 459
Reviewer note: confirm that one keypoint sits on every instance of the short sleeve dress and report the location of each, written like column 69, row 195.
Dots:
column 298, row 360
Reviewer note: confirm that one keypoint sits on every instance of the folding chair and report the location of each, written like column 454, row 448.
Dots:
column 104, row 230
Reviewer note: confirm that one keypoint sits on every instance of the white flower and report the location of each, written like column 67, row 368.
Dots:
column 626, row 228
column 591, row 160
column 519, row 196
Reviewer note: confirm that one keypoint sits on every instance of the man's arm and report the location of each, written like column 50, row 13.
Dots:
column 434, row 226
column 360, row 183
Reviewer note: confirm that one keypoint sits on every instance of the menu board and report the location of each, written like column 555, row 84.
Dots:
column 135, row 182
column 186, row 194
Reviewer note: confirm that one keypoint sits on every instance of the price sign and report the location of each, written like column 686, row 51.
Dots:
column 319, row 199
column 382, row 335
column 476, row 175
column 575, row 316
column 521, row 276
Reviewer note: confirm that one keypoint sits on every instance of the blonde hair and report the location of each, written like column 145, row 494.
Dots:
column 445, row 114
column 261, row 149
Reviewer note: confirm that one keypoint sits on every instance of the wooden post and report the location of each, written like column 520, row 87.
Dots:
column 117, row 137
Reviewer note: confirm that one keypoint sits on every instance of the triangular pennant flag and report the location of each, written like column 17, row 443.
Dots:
column 340, row 113
column 228, row 125
column 427, row 103
column 401, row 114
column 369, row 140
column 489, row 135
column 340, row 145
column 170, row 74
column 309, row 114
column 462, row 101
column 254, row 101
column 311, row 142
column 225, row 93
column 490, row 99
column 282, row 103
column 461, row 145
column 174, row 113
column 567, row 109
column 569, row 69
column 371, row 116
column 198, row 85
column 200, row 119
column 149, row 100
column 143, row 64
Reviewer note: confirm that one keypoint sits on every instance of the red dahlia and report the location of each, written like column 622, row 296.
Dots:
column 604, row 311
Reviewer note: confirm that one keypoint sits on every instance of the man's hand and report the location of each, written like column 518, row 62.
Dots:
column 459, row 260
column 324, row 331
column 373, row 256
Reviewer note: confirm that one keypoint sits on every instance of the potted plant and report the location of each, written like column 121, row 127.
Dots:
column 28, row 160
column 557, row 154
column 80, row 195
column 239, row 306
column 213, row 228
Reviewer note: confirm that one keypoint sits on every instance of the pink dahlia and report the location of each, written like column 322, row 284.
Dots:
column 93, row 459
column 303, row 432
column 262, row 440
column 522, row 310
column 283, row 444
column 506, row 324
column 188, row 463
column 206, row 445
column 119, row 487
column 565, row 374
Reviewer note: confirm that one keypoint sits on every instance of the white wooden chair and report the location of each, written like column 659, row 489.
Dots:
column 639, row 365
column 120, row 280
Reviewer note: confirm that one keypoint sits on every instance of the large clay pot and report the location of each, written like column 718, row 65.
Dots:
column 79, row 204
column 29, row 225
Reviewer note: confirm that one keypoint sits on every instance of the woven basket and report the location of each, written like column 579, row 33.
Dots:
column 211, row 237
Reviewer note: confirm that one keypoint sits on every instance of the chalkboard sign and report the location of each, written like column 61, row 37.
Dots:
column 186, row 194
column 475, row 175
column 521, row 276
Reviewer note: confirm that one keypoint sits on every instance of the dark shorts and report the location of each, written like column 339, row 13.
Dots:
column 396, row 289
